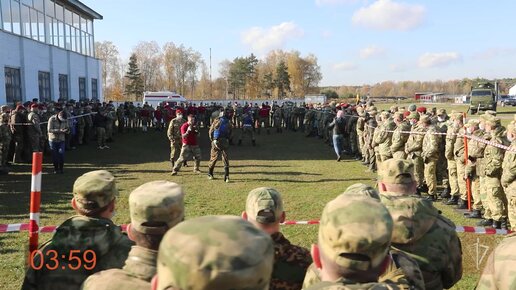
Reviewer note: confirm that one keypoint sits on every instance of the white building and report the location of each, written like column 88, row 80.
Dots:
column 512, row 91
column 47, row 51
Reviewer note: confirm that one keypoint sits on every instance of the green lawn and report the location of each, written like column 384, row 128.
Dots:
column 302, row 169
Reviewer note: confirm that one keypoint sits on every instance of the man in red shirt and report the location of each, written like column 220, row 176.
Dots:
column 263, row 118
column 189, row 132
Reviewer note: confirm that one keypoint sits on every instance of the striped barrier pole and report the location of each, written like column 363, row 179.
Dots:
column 35, row 200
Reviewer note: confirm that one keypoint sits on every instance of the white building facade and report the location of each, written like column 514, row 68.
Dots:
column 47, row 51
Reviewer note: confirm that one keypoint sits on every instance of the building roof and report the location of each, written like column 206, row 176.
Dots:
column 81, row 7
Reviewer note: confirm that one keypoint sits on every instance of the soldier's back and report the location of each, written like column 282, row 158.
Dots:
column 290, row 264
column 97, row 243
column 499, row 272
column 115, row 279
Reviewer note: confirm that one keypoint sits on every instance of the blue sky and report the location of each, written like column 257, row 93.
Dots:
column 356, row 41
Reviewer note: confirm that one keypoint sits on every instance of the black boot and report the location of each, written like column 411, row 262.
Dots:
column 431, row 198
column 446, row 193
column 254, row 142
column 226, row 174
column 210, row 173
column 497, row 225
column 462, row 204
column 475, row 214
column 56, row 168
column 485, row 223
column 172, row 163
column 339, row 158
column 452, row 201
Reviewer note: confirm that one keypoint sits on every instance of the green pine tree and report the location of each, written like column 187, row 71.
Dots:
column 134, row 87
column 282, row 79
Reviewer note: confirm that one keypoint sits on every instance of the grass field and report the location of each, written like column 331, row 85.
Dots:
column 302, row 169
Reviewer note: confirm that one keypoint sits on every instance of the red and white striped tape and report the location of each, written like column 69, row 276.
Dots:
column 459, row 229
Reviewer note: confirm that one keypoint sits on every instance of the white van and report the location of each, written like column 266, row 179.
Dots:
column 155, row 99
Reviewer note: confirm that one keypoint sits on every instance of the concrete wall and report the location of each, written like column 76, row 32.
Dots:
column 32, row 56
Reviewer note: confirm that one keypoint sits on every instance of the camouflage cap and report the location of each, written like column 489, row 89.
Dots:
column 94, row 189
column 492, row 120
column 472, row 123
column 398, row 115
column 441, row 111
column 394, row 108
column 396, row 171
column 372, row 113
column 215, row 252
column 372, row 108
column 361, row 189
column 156, row 206
column 385, row 114
column 368, row 227
column 412, row 107
column 264, row 205
column 425, row 119
column 413, row 115
column 490, row 112
column 458, row 116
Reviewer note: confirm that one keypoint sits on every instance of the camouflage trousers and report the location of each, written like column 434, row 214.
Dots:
column 246, row 131
column 430, row 176
column 101, row 136
column 187, row 152
column 265, row 122
column 483, row 196
column 419, row 170
column 452, row 178
column 18, row 148
column 175, row 150
column 372, row 159
column 475, row 192
column 461, row 172
column 442, row 171
column 510, row 192
column 496, row 199
column 360, row 138
column 5, row 145
column 353, row 143
column 219, row 151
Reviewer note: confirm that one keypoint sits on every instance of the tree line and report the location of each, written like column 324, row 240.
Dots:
column 183, row 70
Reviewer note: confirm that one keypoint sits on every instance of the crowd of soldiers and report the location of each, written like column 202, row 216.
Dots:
column 394, row 239
column 435, row 142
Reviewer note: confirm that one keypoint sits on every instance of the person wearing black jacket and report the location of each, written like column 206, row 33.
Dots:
column 338, row 127
column 100, row 122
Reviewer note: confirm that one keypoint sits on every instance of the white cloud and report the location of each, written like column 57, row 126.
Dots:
column 345, row 66
column 372, row 51
column 333, row 2
column 326, row 34
column 441, row 59
column 264, row 39
column 390, row 15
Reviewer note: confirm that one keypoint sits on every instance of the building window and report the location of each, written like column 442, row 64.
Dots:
column 94, row 89
column 82, row 89
column 44, row 86
column 63, row 87
column 12, row 85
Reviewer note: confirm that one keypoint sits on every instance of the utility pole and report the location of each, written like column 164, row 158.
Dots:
column 211, row 83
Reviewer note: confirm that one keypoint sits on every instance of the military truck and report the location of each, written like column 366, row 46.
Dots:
column 483, row 97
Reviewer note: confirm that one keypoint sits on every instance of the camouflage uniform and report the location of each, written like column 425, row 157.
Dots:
column 451, row 137
column 383, row 138
column 430, row 155
column 414, row 148
column 158, row 202
column 493, row 156
column 110, row 123
column 360, row 131
column 372, row 226
column 499, row 272
column 219, row 148
column 369, row 135
column 215, row 252
column 92, row 190
column 509, row 179
column 458, row 152
column 174, row 136
column 442, row 164
column 18, row 117
column 264, row 206
column 34, row 132
column 471, row 166
column 420, row 231
column 399, row 140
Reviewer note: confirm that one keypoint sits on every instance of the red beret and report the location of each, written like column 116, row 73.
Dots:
column 421, row 110
column 34, row 106
column 20, row 107
column 179, row 111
